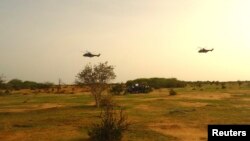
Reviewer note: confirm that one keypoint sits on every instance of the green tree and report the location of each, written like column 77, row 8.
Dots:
column 97, row 78
column 15, row 84
column 30, row 84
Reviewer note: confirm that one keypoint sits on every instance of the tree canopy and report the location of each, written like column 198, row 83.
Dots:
column 96, row 77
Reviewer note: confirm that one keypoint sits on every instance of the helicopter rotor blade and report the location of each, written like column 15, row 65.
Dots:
column 85, row 51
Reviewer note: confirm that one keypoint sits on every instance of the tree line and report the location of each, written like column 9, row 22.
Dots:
column 17, row 84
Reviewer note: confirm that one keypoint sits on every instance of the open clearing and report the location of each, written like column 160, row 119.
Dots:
column 154, row 116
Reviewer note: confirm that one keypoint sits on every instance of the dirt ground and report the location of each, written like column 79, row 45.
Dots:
column 179, row 130
column 12, row 109
column 66, row 117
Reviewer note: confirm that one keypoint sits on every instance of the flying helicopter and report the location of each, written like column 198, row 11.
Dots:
column 89, row 54
column 203, row 50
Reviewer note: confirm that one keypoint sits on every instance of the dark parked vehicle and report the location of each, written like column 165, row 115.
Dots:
column 138, row 88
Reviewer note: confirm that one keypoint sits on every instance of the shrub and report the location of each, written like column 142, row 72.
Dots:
column 117, row 89
column 113, row 124
column 107, row 100
column 172, row 92
column 223, row 86
column 7, row 91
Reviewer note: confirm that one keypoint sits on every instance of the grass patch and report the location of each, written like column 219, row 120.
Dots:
column 70, row 120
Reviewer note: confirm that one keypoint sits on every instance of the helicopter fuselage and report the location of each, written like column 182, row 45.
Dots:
column 91, row 55
column 203, row 50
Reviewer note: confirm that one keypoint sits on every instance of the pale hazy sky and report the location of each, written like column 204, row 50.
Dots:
column 41, row 40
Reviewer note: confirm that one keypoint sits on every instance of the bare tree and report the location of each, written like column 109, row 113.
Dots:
column 97, row 78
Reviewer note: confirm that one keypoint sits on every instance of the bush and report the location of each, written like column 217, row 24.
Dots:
column 107, row 100
column 172, row 92
column 117, row 89
column 113, row 124
column 223, row 86
column 7, row 91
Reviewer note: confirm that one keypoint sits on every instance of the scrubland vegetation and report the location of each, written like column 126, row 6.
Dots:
column 154, row 116
column 145, row 109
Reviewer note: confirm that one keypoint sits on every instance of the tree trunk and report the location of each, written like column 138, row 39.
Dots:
column 96, row 91
column 97, row 103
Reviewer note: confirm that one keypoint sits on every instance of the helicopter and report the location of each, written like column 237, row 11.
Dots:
column 89, row 54
column 203, row 50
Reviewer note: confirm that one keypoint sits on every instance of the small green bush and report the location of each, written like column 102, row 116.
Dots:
column 113, row 124
column 223, row 86
column 172, row 92
column 107, row 100
column 117, row 89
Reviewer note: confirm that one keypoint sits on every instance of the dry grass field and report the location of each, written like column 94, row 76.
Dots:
column 155, row 116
